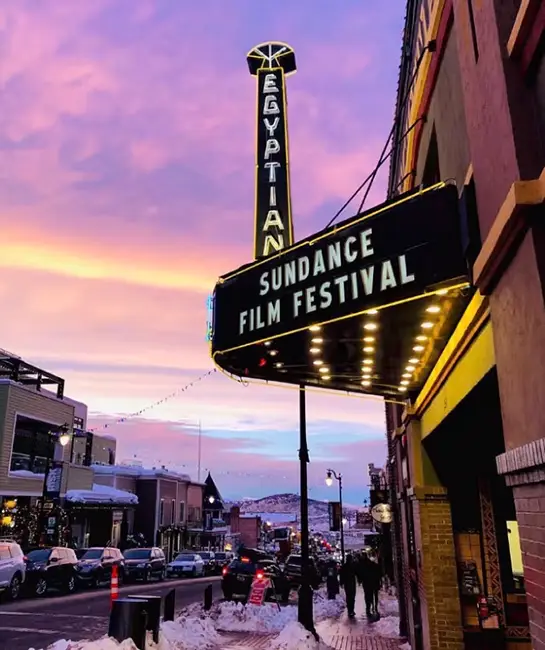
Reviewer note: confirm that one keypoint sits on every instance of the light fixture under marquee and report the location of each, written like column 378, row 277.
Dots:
column 418, row 348
column 433, row 309
column 368, row 339
column 318, row 362
column 413, row 360
column 317, row 339
column 314, row 328
column 369, row 348
column 315, row 350
column 426, row 325
column 370, row 326
column 324, row 370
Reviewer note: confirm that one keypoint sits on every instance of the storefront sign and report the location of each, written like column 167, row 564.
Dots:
column 390, row 254
column 382, row 513
column 273, row 210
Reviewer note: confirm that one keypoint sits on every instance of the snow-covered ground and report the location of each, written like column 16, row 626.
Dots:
column 194, row 630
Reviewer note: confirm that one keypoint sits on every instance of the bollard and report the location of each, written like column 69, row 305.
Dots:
column 128, row 620
column 153, row 611
column 208, row 598
column 114, row 585
column 170, row 605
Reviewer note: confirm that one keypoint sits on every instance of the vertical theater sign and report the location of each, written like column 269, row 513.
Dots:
column 364, row 306
column 271, row 63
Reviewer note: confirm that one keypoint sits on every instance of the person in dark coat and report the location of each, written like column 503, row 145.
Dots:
column 375, row 579
column 366, row 576
column 348, row 581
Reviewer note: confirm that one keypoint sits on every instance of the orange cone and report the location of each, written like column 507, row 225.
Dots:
column 114, row 584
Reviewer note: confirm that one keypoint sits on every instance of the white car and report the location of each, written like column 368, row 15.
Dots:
column 186, row 564
column 12, row 568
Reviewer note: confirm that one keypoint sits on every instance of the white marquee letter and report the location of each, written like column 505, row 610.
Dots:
column 405, row 277
column 273, row 220
column 365, row 240
column 271, row 166
column 264, row 284
column 270, row 106
column 269, row 85
column 271, row 146
column 242, row 321
column 350, row 255
column 387, row 279
column 297, row 296
column 273, row 244
column 271, row 128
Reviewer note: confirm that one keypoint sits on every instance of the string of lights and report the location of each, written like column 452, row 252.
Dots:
column 149, row 407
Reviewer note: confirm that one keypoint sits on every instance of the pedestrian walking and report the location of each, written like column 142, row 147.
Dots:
column 375, row 579
column 348, row 582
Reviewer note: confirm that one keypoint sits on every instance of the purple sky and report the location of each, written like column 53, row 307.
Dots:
column 126, row 187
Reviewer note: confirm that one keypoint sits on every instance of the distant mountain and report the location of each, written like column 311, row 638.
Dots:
column 283, row 503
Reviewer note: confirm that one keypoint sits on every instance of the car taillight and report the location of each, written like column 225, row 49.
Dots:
column 225, row 571
column 260, row 575
column 25, row 558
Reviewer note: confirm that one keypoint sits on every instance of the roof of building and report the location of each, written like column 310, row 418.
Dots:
column 138, row 471
column 15, row 369
column 102, row 494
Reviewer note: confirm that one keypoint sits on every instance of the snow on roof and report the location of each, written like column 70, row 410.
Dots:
column 139, row 472
column 102, row 494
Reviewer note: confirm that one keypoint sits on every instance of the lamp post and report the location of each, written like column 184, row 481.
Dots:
column 62, row 436
column 331, row 473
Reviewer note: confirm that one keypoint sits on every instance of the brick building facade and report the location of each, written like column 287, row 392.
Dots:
column 467, row 451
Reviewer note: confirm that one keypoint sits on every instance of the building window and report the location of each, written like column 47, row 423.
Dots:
column 32, row 445
column 78, row 423
column 182, row 512
column 162, row 512
column 173, row 511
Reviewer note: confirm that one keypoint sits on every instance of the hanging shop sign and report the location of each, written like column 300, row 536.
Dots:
column 382, row 513
column 334, row 510
column 270, row 63
column 53, row 480
column 395, row 252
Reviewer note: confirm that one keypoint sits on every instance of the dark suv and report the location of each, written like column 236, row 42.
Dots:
column 95, row 566
column 144, row 564
column 292, row 570
column 238, row 576
column 50, row 567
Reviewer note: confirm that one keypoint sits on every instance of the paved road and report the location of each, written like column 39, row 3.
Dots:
column 38, row 622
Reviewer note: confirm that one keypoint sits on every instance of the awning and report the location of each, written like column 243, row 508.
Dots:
column 101, row 494
column 366, row 306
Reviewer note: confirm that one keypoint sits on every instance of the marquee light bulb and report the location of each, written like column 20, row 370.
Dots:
column 318, row 362
column 414, row 360
column 267, row 343
column 426, row 325
column 409, row 368
column 314, row 350
column 406, row 375
column 442, row 292
column 278, row 365
column 405, row 382
column 365, row 382
column 421, row 337
column 326, row 377
column 273, row 353
column 368, row 339
column 324, row 370
column 372, row 312
column 418, row 348
column 369, row 348
column 367, row 362
column 370, row 326
column 314, row 328
column 433, row 309
column 402, row 389
column 317, row 339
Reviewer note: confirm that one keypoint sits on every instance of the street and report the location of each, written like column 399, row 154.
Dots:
column 38, row 622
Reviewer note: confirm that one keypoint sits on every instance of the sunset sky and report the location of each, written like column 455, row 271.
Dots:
column 126, row 188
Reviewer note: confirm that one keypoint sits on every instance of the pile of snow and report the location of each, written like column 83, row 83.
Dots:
column 389, row 605
column 267, row 618
column 186, row 633
column 295, row 637
column 236, row 617
column 189, row 633
column 405, row 646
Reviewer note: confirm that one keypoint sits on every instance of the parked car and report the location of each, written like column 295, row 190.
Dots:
column 292, row 570
column 209, row 560
column 222, row 558
column 51, row 567
column 186, row 564
column 238, row 576
column 12, row 568
column 94, row 568
column 144, row 564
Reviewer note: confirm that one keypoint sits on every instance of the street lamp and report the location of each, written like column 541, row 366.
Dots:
column 211, row 499
column 329, row 482
column 64, row 439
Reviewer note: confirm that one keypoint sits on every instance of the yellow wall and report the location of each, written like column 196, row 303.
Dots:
column 469, row 370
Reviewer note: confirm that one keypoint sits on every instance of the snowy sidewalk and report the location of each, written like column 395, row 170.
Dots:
column 339, row 633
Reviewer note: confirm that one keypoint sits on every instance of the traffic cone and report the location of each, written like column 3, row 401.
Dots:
column 114, row 584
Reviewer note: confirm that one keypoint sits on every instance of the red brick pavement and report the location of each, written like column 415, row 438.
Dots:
column 241, row 641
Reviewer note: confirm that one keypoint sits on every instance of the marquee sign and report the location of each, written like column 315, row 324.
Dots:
column 271, row 63
column 395, row 252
